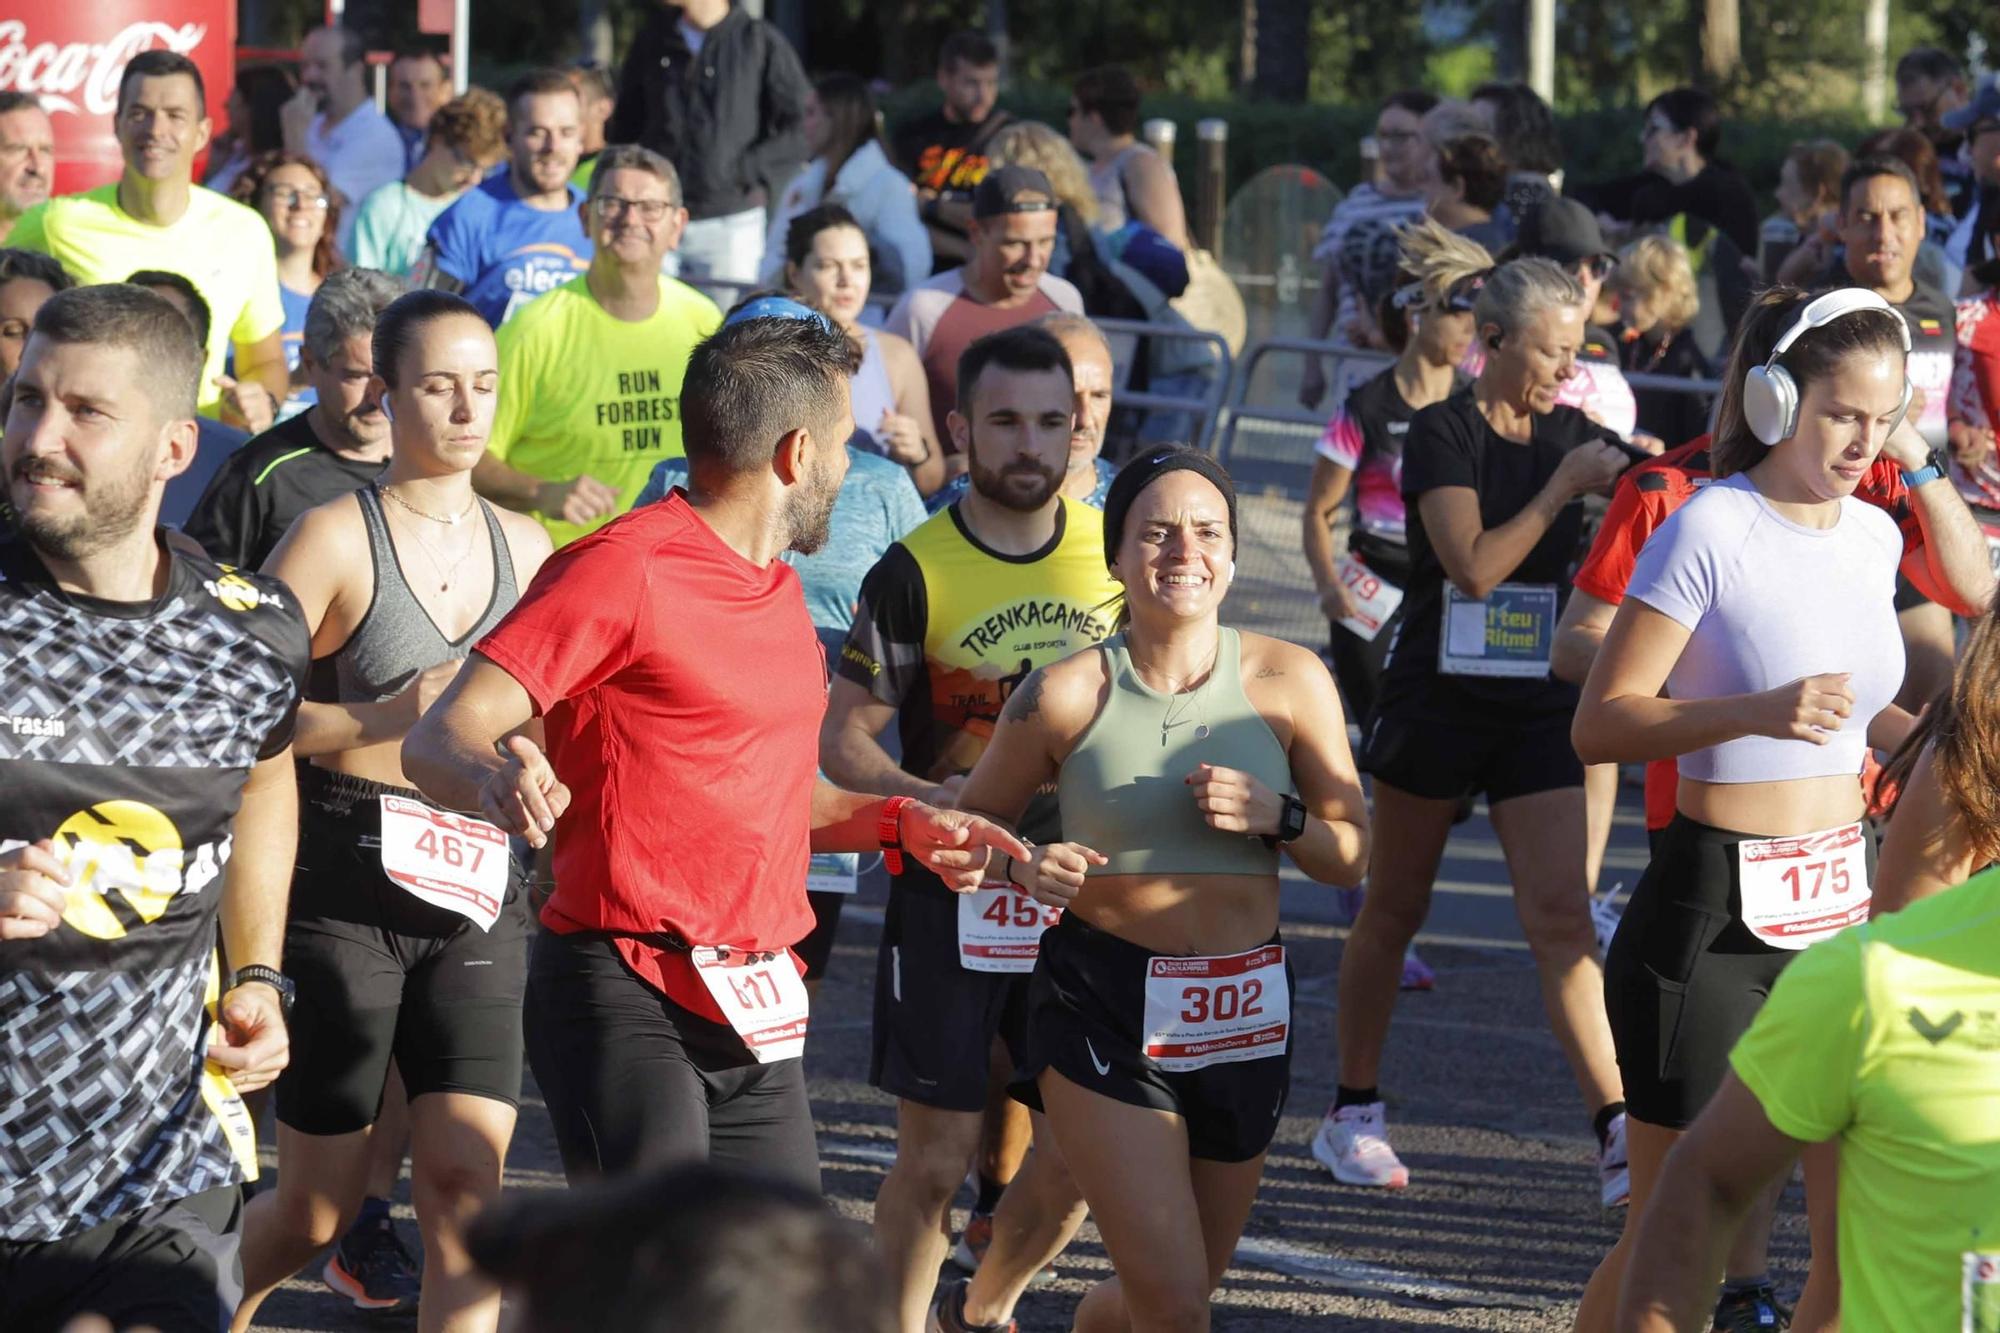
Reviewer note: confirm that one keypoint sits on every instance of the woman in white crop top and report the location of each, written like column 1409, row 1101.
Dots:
column 1758, row 643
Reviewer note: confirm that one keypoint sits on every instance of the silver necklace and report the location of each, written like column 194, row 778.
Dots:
column 449, row 520
column 1195, row 705
column 446, row 574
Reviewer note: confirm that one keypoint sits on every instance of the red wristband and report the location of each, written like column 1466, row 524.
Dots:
column 889, row 832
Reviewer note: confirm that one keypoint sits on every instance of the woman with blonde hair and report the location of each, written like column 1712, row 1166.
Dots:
column 1657, row 303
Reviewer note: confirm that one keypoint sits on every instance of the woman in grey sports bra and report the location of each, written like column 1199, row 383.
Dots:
column 1186, row 757
column 408, row 925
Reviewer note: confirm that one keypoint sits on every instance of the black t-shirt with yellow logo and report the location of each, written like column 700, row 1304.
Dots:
column 127, row 731
column 947, row 628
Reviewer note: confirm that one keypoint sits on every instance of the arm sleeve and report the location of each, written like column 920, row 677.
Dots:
column 780, row 145
column 885, row 649
column 1607, row 571
column 1678, row 570
column 1341, row 444
column 226, row 519
column 572, row 629
column 1802, row 1054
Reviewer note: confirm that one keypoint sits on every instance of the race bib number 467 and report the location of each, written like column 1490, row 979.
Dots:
column 450, row 861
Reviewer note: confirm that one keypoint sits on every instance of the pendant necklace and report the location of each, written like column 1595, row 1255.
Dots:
column 1196, row 703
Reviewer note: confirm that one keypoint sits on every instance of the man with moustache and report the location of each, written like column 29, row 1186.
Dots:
column 337, row 445
column 1006, row 283
column 518, row 233
column 665, row 1013
column 332, row 119
column 1011, row 575
column 27, row 156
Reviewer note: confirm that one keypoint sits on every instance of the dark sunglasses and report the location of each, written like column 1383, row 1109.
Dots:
column 1459, row 298
column 1597, row 266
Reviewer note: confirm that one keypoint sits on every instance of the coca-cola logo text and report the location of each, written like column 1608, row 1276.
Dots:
column 59, row 75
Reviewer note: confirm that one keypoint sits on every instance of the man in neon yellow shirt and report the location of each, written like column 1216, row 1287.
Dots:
column 590, row 374
column 156, row 217
column 1886, row 1037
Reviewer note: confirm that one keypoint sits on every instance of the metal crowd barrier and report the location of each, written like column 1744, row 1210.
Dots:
column 1268, row 449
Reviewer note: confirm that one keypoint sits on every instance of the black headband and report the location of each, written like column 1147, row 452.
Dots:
column 1148, row 468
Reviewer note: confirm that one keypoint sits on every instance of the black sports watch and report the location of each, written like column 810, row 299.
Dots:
column 288, row 990
column 1291, row 822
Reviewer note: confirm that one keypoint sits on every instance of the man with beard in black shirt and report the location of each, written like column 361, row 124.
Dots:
column 333, row 447
column 945, row 152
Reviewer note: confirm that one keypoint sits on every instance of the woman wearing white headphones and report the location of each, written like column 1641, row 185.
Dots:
column 1757, row 644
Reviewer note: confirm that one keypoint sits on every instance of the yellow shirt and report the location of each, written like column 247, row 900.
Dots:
column 584, row 392
column 1888, row 1036
column 220, row 246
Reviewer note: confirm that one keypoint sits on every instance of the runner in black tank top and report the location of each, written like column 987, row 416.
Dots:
column 409, row 925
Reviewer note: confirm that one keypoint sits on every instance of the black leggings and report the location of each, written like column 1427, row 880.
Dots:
column 633, row 1079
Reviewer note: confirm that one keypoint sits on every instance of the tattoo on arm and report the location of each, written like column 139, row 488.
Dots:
column 1026, row 700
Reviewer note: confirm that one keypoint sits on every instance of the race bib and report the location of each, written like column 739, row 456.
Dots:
column 833, row 872
column 1208, row 1011
column 1000, row 928
column 451, row 861
column 1508, row 633
column 1981, row 1293
column 761, row 995
column 1799, row 891
column 1374, row 598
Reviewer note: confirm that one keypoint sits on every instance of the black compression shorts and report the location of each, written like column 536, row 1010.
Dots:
column 1684, row 976
column 1086, row 1011
column 381, row 973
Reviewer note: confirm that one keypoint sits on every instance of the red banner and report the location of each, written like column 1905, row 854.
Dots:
column 71, row 56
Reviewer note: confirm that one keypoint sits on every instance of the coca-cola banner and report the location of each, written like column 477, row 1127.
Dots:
column 71, row 55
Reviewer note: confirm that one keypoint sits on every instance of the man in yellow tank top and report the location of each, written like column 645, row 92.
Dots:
column 956, row 615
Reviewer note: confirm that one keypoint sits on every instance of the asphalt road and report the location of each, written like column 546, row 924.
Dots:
column 1499, row 1228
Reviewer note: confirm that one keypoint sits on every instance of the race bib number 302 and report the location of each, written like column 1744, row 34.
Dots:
column 1208, row 1011
column 448, row 860
column 1799, row 891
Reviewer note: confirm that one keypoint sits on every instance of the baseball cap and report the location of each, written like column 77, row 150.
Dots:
column 1562, row 230
column 1983, row 110
column 995, row 194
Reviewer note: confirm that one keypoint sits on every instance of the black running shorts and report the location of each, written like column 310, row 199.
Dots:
column 1086, row 1009
column 381, row 973
column 1684, row 976
column 935, row 1021
column 173, row 1267
column 1448, row 752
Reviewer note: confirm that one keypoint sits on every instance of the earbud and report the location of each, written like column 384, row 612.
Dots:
column 1494, row 341
column 1232, row 571
column 387, row 415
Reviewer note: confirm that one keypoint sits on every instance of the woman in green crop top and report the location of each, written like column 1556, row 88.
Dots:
column 1186, row 755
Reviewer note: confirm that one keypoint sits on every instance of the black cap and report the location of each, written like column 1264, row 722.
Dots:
column 1981, row 112
column 1562, row 230
column 998, row 189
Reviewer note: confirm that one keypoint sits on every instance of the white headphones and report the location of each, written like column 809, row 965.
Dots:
column 1771, row 395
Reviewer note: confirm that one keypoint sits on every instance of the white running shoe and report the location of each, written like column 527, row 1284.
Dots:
column 1614, row 1173
column 1353, row 1143
column 1606, row 909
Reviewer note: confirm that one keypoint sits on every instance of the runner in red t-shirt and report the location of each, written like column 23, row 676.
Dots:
column 681, row 685
column 1944, row 555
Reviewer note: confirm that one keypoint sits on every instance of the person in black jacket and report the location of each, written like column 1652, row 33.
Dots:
column 1681, row 177
column 722, row 96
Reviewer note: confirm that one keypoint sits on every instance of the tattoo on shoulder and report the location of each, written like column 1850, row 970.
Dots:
column 1266, row 673
column 1026, row 700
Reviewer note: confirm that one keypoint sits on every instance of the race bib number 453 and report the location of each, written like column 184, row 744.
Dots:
column 450, row 861
column 1000, row 928
column 1208, row 1011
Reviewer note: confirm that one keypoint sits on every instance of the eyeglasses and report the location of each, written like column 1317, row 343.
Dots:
column 1459, row 298
column 286, row 197
column 1597, row 266
column 649, row 210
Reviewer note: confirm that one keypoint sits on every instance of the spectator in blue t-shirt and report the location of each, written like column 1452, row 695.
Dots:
column 517, row 234
column 1089, row 476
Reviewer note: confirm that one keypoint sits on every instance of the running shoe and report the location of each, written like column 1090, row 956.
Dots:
column 1753, row 1310
column 1605, row 910
column 373, row 1268
column 967, row 1255
column 1353, row 1143
column 948, row 1312
column 1417, row 974
column 1614, row 1173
